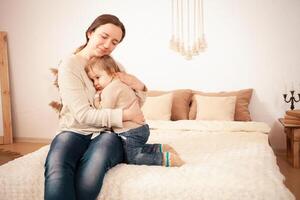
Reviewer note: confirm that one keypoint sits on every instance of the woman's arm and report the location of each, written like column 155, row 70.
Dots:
column 74, row 97
column 133, row 82
column 138, row 86
column 130, row 80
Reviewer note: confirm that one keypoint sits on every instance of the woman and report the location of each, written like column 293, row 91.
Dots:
column 79, row 157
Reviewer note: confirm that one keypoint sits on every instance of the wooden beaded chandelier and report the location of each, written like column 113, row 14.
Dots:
column 187, row 27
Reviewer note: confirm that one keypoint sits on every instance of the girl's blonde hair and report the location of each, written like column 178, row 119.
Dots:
column 106, row 63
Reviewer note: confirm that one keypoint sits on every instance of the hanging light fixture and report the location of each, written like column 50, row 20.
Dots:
column 187, row 27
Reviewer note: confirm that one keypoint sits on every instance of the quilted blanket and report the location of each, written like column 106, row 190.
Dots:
column 224, row 160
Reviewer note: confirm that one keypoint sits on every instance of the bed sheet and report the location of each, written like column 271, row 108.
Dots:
column 224, row 160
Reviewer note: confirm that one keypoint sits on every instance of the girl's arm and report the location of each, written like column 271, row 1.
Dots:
column 107, row 98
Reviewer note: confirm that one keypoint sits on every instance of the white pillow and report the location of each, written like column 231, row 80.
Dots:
column 215, row 108
column 158, row 108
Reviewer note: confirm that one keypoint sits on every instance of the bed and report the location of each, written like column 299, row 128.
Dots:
column 224, row 160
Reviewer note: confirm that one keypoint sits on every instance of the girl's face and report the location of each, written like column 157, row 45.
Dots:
column 100, row 78
column 104, row 39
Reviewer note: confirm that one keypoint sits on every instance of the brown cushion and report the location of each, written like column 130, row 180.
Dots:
column 243, row 98
column 180, row 104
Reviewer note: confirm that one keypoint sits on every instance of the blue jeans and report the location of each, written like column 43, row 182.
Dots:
column 76, row 165
column 137, row 151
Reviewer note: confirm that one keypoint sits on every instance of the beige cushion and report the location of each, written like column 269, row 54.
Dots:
column 215, row 108
column 243, row 98
column 158, row 108
column 181, row 102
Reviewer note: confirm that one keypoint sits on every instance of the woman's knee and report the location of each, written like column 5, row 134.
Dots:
column 107, row 143
column 109, row 139
column 110, row 147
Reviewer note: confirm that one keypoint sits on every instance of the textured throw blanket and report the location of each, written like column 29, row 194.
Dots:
column 224, row 160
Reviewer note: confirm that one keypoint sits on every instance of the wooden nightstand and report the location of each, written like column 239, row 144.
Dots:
column 292, row 141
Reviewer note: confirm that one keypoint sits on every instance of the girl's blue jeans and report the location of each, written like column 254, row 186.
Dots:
column 76, row 165
column 137, row 151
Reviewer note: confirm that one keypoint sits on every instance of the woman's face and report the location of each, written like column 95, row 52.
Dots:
column 104, row 39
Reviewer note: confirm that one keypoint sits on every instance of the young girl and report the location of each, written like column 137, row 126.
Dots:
column 113, row 93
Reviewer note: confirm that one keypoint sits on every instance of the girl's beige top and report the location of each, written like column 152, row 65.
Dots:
column 119, row 95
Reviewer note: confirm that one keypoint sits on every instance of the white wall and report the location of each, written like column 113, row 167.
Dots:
column 251, row 44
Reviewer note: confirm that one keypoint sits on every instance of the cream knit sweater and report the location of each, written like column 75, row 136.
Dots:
column 77, row 93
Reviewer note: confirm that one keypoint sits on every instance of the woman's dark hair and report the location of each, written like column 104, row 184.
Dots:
column 102, row 20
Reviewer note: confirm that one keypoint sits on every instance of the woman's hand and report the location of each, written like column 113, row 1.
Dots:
column 131, row 81
column 133, row 113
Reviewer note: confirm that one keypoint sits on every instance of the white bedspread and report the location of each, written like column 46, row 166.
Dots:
column 224, row 160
